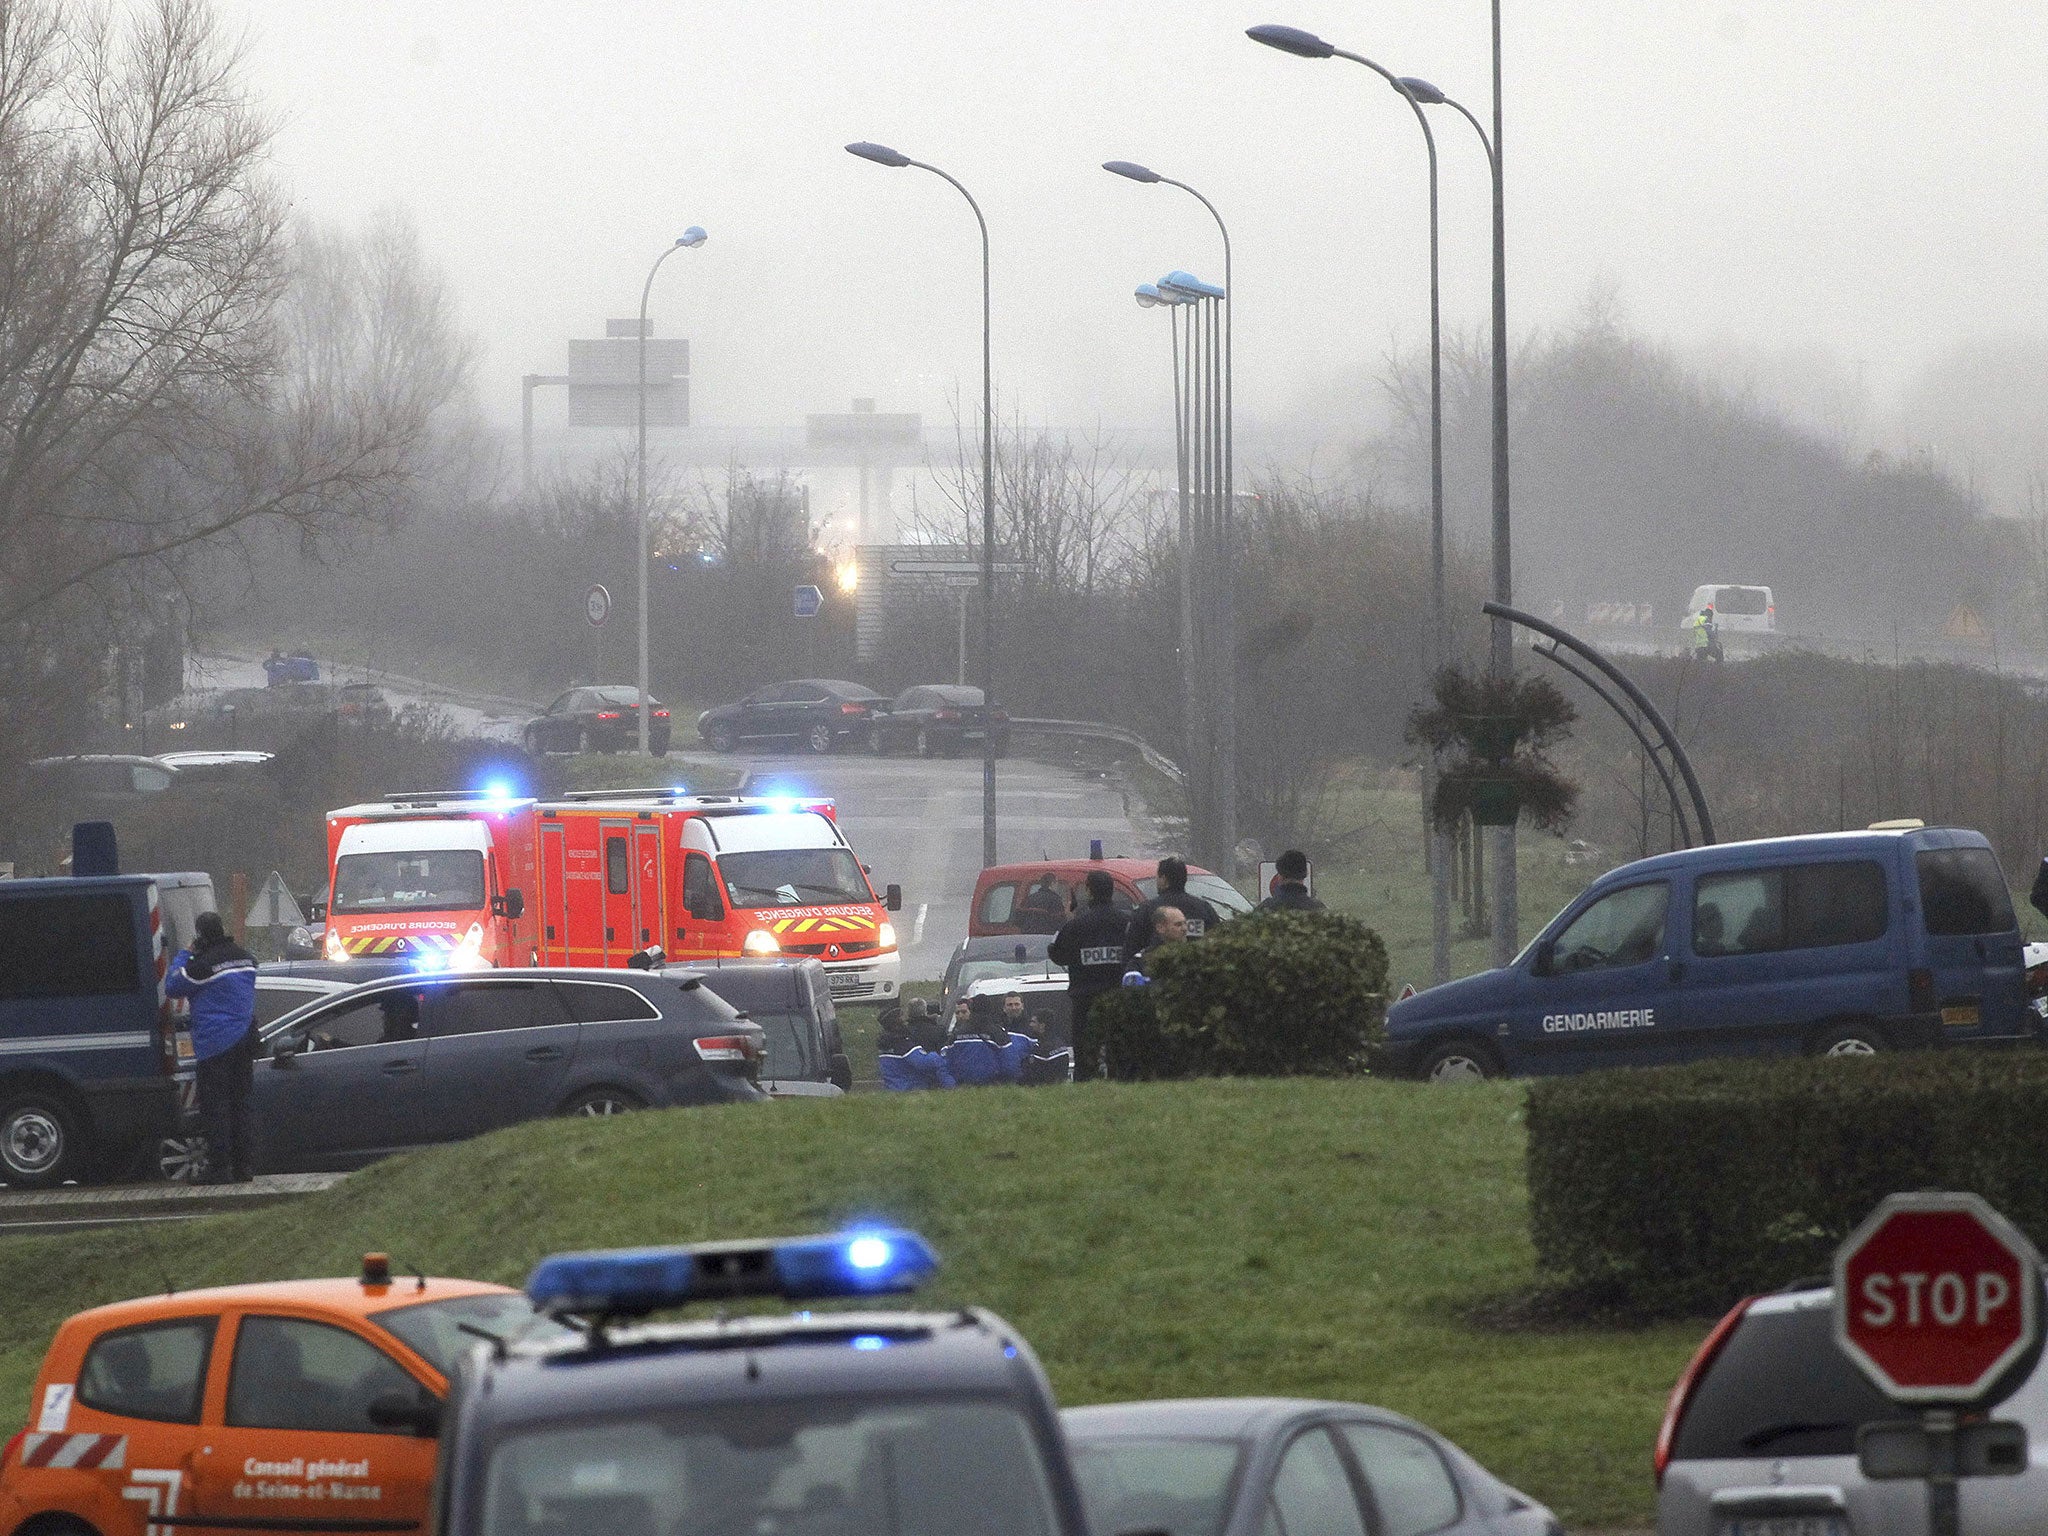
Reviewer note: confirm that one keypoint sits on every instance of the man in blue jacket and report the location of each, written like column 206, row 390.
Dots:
column 219, row 976
column 905, row 1061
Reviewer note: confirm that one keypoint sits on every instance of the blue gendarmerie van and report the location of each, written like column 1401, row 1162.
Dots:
column 1842, row 943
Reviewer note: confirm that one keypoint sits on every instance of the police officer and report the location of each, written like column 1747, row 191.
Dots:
column 905, row 1062
column 1140, row 933
column 1052, row 1052
column 1290, row 894
column 219, row 976
column 981, row 1053
column 1706, row 640
column 1090, row 944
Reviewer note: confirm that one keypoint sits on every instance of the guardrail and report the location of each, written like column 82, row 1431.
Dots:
column 1156, row 760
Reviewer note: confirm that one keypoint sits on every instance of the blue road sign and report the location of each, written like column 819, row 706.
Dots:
column 808, row 601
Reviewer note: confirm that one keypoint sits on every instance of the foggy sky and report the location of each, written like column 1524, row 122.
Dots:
column 1852, row 185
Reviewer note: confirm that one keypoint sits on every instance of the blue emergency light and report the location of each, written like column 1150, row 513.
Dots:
column 629, row 1282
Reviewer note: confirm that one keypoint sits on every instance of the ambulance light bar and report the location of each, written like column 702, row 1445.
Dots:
column 630, row 1282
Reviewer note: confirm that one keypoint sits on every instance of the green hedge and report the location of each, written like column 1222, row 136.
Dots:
column 1274, row 995
column 1686, row 1188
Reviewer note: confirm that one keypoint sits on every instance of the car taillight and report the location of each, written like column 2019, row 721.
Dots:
column 661, row 714
column 999, row 714
column 740, row 1048
column 607, row 714
column 1920, row 989
column 1688, row 1383
column 947, row 714
column 853, row 709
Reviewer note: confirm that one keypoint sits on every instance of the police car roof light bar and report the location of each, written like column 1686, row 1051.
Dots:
column 631, row 1282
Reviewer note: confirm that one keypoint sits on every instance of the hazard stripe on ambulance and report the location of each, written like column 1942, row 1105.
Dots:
column 48, row 1450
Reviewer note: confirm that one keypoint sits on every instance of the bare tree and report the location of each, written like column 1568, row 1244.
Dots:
column 174, row 366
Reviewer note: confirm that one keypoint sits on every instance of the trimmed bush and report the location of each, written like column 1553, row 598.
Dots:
column 1275, row 995
column 1686, row 1188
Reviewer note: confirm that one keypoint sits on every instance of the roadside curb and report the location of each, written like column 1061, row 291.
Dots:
column 74, row 1207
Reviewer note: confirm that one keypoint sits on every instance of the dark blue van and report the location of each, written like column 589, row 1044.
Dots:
column 1843, row 943
column 88, row 1063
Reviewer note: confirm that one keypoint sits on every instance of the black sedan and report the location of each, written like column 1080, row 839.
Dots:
column 597, row 718
column 937, row 720
column 412, row 1060
column 1228, row 1466
column 820, row 712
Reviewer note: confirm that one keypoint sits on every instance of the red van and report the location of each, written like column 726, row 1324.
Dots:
column 1039, row 896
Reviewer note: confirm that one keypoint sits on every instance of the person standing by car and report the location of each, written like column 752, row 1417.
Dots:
column 1706, row 639
column 219, row 976
column 1052, row 1052
column 1042, row 908
column 1290, row 893
column 1090, row 944
column 1139, row 935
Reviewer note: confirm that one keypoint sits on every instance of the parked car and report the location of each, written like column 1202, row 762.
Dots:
column 217, row 770
column 94, row 782
column 298, row 667
column 1842, row 943
column 1247, row 1466
column 270, row 718
column 1737, row 610
column 1760, row 1435
column 792, row 1002
column 992, row 958
column 1037, row 897
column 88, row 1054
column 412, row 1060
column 598, row 718
column 939, row 720
column 821, row 713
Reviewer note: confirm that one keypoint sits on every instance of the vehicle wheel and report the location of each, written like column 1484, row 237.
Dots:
column 720, row 738
column 583, row 742
column 596, row 1103
column 1460, row 1061
column 1848, row 1040
column 876, row 744
column 56, row 1525
column 924, row 742
column 179, row 1159
column 531, row 741
column 819, row 739
column 659, row 749
column 41, row 1142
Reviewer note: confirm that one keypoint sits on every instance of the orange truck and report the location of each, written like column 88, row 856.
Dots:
column 469, row 880
column 300, row 1406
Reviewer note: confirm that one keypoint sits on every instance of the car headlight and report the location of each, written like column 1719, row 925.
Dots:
column 761, row 942
column 301, row 938
column 886, row 936
column 468, row 955
column 335, row 949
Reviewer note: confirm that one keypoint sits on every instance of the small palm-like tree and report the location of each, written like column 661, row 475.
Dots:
column 1491, row 738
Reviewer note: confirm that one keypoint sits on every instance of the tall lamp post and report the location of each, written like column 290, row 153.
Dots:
column 1225, row 748
column 1151, row 296
column 882, row 155
column 1307, row 45
column 1501, row 653
column 689, row 239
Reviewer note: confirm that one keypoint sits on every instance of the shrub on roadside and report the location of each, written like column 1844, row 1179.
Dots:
column 1276, row 995
column 1686, row 1188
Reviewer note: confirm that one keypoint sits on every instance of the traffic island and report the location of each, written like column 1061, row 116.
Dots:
column 76, row 1206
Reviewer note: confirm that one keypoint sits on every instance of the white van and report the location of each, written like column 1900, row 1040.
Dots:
column 1740, row 610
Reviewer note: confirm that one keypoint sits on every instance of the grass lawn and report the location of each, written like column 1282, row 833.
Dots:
column 1295, row 1237
column 633, row 770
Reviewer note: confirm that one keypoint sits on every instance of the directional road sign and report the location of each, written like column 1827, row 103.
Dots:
column 953, row 568
column 808, row 601
column 275, row 906
column 597, row 606
column 1936, row 1297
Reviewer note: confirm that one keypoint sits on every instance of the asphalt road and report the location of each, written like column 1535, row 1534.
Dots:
column 917, row 822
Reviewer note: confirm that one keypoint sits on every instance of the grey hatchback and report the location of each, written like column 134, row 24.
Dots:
column 412, row 1060
column 1246, row 1466
column 1760, row 1438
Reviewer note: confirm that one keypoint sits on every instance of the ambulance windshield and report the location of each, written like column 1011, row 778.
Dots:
column 793, row 877
column 434, row 880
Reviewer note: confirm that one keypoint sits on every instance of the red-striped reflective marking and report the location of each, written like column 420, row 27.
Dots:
column 83, row 1451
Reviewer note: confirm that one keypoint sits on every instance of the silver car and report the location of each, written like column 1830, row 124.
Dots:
column 1760, row 1438
column 1252, row 1466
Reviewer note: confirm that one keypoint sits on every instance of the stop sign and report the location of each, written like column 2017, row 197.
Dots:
column 1936, row 1296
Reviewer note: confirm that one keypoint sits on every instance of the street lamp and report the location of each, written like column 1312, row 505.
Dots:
column 1226, row 605
column 1501, row 657
column 881, row 154
column 689, row 239
column 1307, row 45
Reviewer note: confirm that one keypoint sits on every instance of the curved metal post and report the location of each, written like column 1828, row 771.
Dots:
column 1702, row 816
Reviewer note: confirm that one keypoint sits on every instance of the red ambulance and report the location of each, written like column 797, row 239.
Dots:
column 468, row 880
